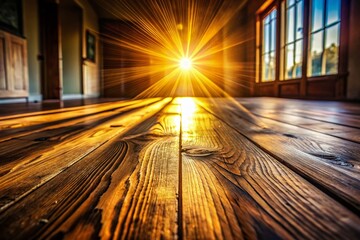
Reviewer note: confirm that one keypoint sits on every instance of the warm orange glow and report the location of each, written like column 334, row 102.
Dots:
column 176, row 37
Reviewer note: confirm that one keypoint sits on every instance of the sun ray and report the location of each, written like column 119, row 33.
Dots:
column 175, row 48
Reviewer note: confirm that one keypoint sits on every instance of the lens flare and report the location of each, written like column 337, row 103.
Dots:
column 185, row 64
column 175, row 48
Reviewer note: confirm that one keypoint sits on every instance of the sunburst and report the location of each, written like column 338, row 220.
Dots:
column 185, row 41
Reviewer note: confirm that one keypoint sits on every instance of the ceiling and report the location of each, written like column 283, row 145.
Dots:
column 116, row 9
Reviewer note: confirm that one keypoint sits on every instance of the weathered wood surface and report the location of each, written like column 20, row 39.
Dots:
column 331, row 118
column 181, row 169
column 31, row 169
column 249, row 190
column 317, row 157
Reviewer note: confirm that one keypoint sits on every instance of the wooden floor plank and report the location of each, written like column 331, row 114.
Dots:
column 189, row 169
column 149, row 207
column 22, row 110
column 315, row 156
column 127, row 188
column 60, row 113
column 27, row 174
column 338, row 113
column 345, row 120
column 287, row 111
column 228, row 182
column 332, row 129
column 28, row 144
column 14, row 128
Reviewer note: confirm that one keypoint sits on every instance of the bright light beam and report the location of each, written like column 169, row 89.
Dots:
column 176, row 48
column 185, row 64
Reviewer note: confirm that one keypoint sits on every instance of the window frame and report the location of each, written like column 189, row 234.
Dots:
column 285, row 44
column 260, row 19
column 305, row 82
column 323, row 29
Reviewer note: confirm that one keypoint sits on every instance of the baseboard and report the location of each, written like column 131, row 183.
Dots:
column 72, row 96
column 35, row 98
column 79, row 96
column 12, row 100
column 95, row 95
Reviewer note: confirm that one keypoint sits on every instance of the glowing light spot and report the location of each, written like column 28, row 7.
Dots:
column 185, row 64
column 188, row 109
column 180, row 26
column 188, row 106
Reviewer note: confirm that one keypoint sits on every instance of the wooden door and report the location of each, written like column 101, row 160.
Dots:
column 51, row 49
column 13, row 66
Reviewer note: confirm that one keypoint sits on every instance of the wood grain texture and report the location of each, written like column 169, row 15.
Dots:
column 14, row 67
column 40, row 138
column 127, row 188
column 339, row 113
column 315, row 156
column 335, row 130
column 19, row 125
column 35, row 169
column 334, row 121
column 229, row 181
column 178, row 169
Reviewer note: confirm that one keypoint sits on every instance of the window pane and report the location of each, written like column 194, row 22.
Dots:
column 265, row 68
column 317, row 15
column 316, row 53
column 269, row 47
column 273, row 14
column 290, row 2
column 290, row 24
column 266, row 43
column 273, row 35
column 331, row 54
column 267, row 19
column 272, row 66
column 298, row 59
column 294, row 35
column 299, row 19
column 333, row 11
column 289, row 61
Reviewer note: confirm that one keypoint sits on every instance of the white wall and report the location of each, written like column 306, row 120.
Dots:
column 31, row 33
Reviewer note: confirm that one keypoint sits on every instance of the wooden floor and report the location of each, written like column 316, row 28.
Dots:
column 183, row 168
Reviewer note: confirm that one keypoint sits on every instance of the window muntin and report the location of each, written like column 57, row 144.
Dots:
column 294, row 36
column 324, row 37
column 268, row 56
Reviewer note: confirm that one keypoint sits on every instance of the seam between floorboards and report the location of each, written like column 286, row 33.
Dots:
column 180, row 200
column 46, row 180
column 309, row 129
column 3, row 208
column 324, row 121
column 326, row 191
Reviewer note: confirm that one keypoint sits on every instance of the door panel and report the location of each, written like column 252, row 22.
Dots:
column 51, row 49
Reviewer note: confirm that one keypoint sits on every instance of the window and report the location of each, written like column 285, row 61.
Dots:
column 293, row 48
column 324, row 37
column 268, row 54
column 307, row 33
